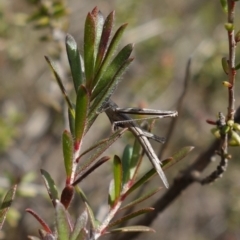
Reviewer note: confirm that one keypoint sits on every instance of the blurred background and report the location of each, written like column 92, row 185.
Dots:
column 166, row 34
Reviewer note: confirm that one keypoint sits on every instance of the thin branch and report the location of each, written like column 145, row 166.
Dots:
column 182, row 182
column 179, row 185
column 222, row 167
column 231, row 59
column 179, row 108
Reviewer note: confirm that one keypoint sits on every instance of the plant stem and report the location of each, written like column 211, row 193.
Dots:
column 231, row 58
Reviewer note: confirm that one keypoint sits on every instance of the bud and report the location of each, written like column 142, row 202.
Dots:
column 209, row 121
column 228, row 156
column 237, row 66
column 234, row 139
column 67, row 196
column 225, row 129
column 216, row 132
column 229, row 27
column 230, row 123
column 225, row 65
column 227, row 84
column 237, row 37
column 224, row 5
column 236, row 126
column 42, row 22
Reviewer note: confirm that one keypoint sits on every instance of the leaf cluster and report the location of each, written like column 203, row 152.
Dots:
column 95, row 76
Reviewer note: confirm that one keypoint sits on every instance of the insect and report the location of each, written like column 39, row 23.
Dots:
column 118, row 117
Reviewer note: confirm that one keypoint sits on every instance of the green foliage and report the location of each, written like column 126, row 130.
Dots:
column 93, row 88
column 50, row 185
column 81, row 223
column 62, row 222
column 224, row 5
column 74, row 61
column 95, row 76
column 117, row 180
column 6, row 203
column 47, row 13
column 7, row 131
column 67, row 146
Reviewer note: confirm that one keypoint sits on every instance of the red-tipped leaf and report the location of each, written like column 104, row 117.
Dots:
column 74, row 61
column 106, row 33
column 89, row 46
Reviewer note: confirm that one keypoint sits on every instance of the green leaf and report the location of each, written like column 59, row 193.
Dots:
column 141, row 199
column 102, row 143
column 133, row 229
column 116, row 184
column 62, row 222
column 6, row 203
column 126, row 158
column 83, row 235
column 89, row 46
column 50, row 185
column 225, row 65
column 93, row 221
column 82, row 103
column 237, row 66
column 183, row 152
column 142, row 180
column 166, row 163
column 59, row 10
column 130, row 216
column 237, row 36
column 104, row 96
column 60, row 84
column 67, row 146
column 224, row 5
column 111, row 49
column 81, row 194
column 35, row 16
column 137, row 155
column 112, row 69
column 106, row 33
column 89, row 170
column 42, row 22
column 102, row 147
column 99, row 20
column 71, row 123
column 111, row 193
column 79, row 225
column 118, row 172
column 74, row 61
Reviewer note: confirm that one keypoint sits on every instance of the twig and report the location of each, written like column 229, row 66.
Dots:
column 222, row 167
column 179, row 107
column 189, row 176
column 231, row 99
column 231, row 59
